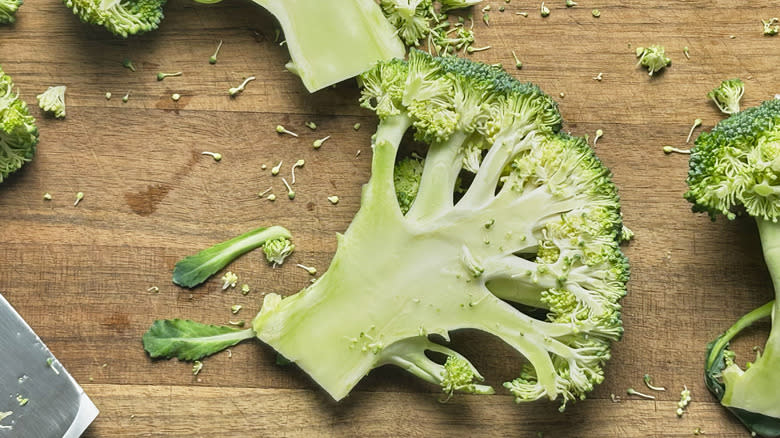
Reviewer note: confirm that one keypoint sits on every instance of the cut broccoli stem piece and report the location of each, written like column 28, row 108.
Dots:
column 194, row 270
column 333, row 40
column 8, row 10
column 727, row 95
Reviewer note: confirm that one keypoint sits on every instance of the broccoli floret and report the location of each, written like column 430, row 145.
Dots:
column 727, row 95
column 734, row 170
column 653, row 57
column 53, row 100
column 537, row 225
column 18, row 133
column 406, row 177
column 120, row 17
column 8, row 10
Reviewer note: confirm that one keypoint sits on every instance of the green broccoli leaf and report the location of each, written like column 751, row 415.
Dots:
column 195, row 269
column 190, row 340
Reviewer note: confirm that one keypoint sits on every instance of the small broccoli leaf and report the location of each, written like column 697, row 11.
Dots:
column 190, row 340
column 195, row 269
column 714, row 365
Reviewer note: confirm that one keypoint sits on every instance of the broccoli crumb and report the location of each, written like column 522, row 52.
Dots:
column 50, row 364
column 237, row 323
column 598, row 77
column 614, row 398
column 235, row 308
column 333, row 199
column 670, row 149
column 310, row 269
column 696, row 124
column 79, row 197
column 471, row 49
column 544, row 11
column 290, row 191
column 215, row 155
column 275, row 170
column 213, row 58
column 356, row 126
column 318, row 143
column 649, row 383
column 297, row 164
column 771, row 27
column 108, row 95
column 161, row 75
column 518, row 62
column 524, row 14
column 311, row 125
column 126, row 97
column 245, row 289
column 598, row 135
column 196, row 367
column 686, row 52
column 698, row 431
column 235, row 90
column 596, row 13
column 632, row 391
column 271, row 197
column 128, row 64
column 47, row 196
column 22, row 400
column 685, row 400
column 175, row 97
column 261, row 194
column 229, row 280
column 653, row 57
column 153, row 289
column 282, row 130
column 570, row 3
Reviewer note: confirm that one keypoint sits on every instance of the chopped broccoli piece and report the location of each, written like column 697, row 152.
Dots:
column 733, row 170
column 727, row 95
column 8, row 10
column 120, row 17
column 554, row 230
column 195, row 269
column 18, row 133
column 53, row 100
column 411, row 17
column 276, row 250
column 653, row 57
column 771, row 27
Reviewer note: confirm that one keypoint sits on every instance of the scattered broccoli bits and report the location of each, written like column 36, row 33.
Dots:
column 18, row 132
column 53, row 101
column 653, row 58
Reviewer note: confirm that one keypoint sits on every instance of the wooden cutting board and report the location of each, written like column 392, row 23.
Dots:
column 80, row 275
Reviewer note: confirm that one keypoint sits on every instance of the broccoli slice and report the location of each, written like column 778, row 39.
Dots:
column 18, row 133
column 727, row 95
column 539, row 225
column 120, row 17
column 8, row 10
column 53, row 100
column 734, row 170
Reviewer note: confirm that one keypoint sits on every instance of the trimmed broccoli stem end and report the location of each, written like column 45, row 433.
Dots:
column 321, row 62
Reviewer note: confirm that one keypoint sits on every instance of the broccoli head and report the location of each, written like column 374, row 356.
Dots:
column 734, row 170
column 120, row 17
column 8, row 10
column 536, row 222
column 18, row 133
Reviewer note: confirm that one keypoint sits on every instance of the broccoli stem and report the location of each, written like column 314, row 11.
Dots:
column 333, row 40
column 442, row 166
column 770, row 243
column 742, row 323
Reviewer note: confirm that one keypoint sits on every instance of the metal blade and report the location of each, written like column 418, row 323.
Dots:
column 38, row 398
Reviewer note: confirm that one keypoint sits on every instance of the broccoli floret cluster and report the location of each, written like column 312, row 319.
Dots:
column 734, row 170
column 120, row 17
column 417, row 22
column 53, row 101
column 18, row 133
column 8, row 10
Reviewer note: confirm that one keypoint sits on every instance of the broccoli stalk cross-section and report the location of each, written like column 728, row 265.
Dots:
column 538, row 225
column 18, row 133
column 734, row 169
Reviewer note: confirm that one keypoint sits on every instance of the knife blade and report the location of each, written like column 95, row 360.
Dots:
column 38, row 397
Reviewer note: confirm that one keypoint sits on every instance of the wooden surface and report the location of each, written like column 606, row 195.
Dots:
column 79, row 275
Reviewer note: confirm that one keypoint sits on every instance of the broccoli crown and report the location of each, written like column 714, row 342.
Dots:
column 735, row 166
column 18, row 133
column 120, row 17
column 727, row 95
column 8, row 10
column 53, row 100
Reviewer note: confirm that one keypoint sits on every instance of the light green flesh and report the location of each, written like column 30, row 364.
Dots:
column 384, row 287
column 757, row 389
column 333, row 40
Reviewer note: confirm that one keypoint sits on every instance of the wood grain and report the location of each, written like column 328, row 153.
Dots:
column 79, row 275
